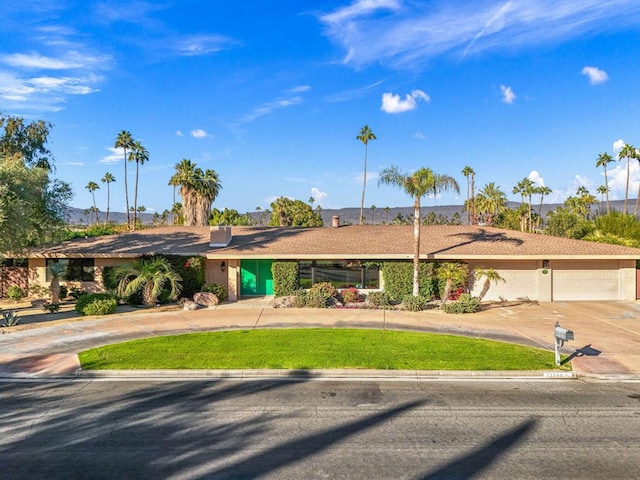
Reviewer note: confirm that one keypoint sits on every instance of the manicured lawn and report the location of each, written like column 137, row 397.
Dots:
column 316, row 348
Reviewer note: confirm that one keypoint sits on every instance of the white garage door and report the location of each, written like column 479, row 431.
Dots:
column 597, row 280
column 521, row 281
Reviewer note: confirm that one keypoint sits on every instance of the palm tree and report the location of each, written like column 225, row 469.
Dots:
column 470, row 175
column 543, row 191
column 207, row 188
column 140, row 155
column 92, row 187
column 602, row 190
column 386, row 214
column 149, row 275
column 490, row 275
column 490, row 202
column 525, row 188
column 603, row 160
column 124, row 140
column 417, row 185
column 365, row 135
column 373, row 209
column 108, row 178
column 185, row 178
column 451, row 273
column 628, row 152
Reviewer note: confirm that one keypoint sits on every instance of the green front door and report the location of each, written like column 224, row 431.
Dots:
column 256, row 277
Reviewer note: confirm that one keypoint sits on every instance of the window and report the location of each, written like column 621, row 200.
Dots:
column 340, row 273
column 77, row 269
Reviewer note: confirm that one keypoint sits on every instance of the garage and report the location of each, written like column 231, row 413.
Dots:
column 521, row 281
column 581, row 280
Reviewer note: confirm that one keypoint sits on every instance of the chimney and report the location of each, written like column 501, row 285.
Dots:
column 220, row 236
column 335, row 221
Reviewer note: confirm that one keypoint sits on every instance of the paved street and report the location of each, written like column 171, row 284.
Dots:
column 295, row 430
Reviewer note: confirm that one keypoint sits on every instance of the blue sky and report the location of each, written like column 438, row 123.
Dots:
column 272, row 93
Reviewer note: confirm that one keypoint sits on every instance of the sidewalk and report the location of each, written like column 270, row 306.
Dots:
column 607, row 334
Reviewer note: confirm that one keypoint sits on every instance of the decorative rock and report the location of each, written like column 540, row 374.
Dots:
column 206, row 299
column 189, row 305
column 283, row 302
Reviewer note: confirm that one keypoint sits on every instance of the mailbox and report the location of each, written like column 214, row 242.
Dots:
column 564, row 334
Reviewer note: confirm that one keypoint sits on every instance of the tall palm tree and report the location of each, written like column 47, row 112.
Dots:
column 490, row 202
column 543, row 191
column 422, row 182
column 185, row 178
column 149, row 275
column 525, row 188
column 207, row 188
column 140, row 155
column 124, row 140
column 92, row 187
column 603, row 160
column 365, row 135
column 628, row 152
column 469, row 173
column 602, row 190
column 108, row 178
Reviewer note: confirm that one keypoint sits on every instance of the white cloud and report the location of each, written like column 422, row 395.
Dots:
column 407, row 34
column 507, row 94
column 300, row 89
column 70, row 61
column 618, row 144
column 392, row 103
column 535, row 177
column 596, row 76
column 196, row 45
column 115, row 156
column 268, row 108
column 179, row 133
column 419, row 136
column 318, row 195
column 199, row 133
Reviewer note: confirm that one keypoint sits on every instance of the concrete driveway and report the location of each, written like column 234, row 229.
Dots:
column 607, row 334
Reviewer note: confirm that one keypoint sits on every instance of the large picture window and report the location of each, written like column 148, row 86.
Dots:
column 77, row 269
column 340, row 273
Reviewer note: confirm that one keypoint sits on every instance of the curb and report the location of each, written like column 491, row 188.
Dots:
column 296, row 375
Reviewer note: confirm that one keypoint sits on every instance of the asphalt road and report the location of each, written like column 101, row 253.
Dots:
column 319, row 429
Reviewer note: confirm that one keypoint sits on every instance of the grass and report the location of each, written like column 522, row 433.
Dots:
column 316, row 348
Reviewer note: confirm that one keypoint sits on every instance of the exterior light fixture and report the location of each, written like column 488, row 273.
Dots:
column 223, row 266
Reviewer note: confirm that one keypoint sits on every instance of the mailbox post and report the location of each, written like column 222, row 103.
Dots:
column 561, row 335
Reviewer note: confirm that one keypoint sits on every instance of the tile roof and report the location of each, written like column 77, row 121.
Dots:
column 364, row 242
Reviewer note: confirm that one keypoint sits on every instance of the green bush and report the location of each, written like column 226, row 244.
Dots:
column 379, row 299
column 285, row 278
column 415, row 303
column 309, row 299
column 217, row 289
column 77, row 292
column 96, row 304
column 350, row 295
column 398, row 279
column 64, row 292
column 324, row 289
column 15, row 293
column 465, row 304
column 51, row 307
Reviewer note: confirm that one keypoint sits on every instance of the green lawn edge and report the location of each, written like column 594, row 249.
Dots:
column 304, row 349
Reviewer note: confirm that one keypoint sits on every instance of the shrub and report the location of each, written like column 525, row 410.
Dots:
column 64, row 292
column 9, row 318
column 324, row 289
column 285, row 278
column 351, row 295
column 415, row 303
column 96, row 304
column 15, row 293
column 465, row 304
column 51, row 307
column 309, row 299
column 398, row 279
column 217, row 289
column 379, row 299
column 76, row 292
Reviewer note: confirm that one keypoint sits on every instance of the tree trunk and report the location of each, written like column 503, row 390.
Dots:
column 364, row 186
column 55, row 290
column 485, row 289
column 416, row 248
